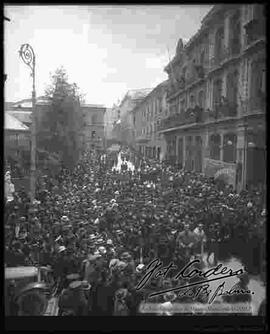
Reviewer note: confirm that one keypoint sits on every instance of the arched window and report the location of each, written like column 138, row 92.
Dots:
column 219, row 42
column 182, row 105
column 232, row 91
column 217, row 92
column 229, row 147
column 202, row 57
column 192, row 101
column 234, row 33
column 257, row 78
column 215, row 142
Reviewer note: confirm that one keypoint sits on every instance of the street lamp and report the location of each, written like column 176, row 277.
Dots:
column 28, row 56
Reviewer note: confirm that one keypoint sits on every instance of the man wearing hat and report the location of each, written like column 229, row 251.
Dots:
column 73, row 299
column 185, row 242
column 201, row 239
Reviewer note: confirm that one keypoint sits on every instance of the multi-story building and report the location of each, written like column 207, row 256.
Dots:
column 125, row 127
column 17, row 142
column 93, row 126
column 217, row 97
column 110, row 118
column 146, row 118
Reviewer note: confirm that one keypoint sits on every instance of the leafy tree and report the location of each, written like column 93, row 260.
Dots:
column 60, row 126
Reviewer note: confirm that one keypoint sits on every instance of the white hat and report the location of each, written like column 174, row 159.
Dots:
column 140, row 267
column 58, row 238
column 61, row 249
column 109, row 242
column 97, row 253
column 263, row 213
column 113, row 263
column 249, row 205
column 102, row 250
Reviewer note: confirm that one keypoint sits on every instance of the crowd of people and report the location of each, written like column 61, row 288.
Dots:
column 98, row 228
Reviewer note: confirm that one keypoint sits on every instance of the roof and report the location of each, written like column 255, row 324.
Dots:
column 92, row 105
column 12, row 123
column 159, row 86
column 22, row 116
column 27, row 103
column 20, row 272
column 135, row 94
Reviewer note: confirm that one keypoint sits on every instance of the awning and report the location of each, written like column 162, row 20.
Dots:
column 12, row 123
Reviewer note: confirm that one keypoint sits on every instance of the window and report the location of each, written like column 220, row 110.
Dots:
column 229, row 147
column 202, row 56
column 219, row 43
column 182, row 105
column 201, row 99
column 94, row 119
column 232, row 87
column 184, row 71
column 257, row 78
column 192, row 101
column 235, row 31
column 217, row 92
column 215, row 142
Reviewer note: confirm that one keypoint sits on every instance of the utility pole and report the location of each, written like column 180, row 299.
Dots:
column 28, row 56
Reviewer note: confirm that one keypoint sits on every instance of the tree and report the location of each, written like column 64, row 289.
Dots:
column 62, row 124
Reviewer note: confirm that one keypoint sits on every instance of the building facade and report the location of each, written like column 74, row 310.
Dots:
column 147, row 117
column 124, row 126
column 93, row 126
column 217, row 97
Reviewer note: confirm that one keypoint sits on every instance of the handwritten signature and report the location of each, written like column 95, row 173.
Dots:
column 155, row 270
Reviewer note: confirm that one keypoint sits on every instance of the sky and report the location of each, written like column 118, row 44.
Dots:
column 106, row 50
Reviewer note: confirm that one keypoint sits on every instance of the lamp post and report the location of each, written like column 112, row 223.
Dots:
column 28, row 56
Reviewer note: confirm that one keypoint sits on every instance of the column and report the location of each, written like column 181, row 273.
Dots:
column 221, row 145
column 176, row 149
column 241, row 157
column 226, row 31
column 184, row 151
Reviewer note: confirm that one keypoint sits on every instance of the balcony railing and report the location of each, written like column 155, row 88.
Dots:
column 218, row 58
column 225, row 54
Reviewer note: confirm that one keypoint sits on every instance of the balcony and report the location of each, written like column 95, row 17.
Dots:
column 197, row 74
column 222, row 110
column 179, row 84
column 218, row 59
column 190, row 116
column 255, row 31
column 254, row 105
column 234, row 48
column 225, row 54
